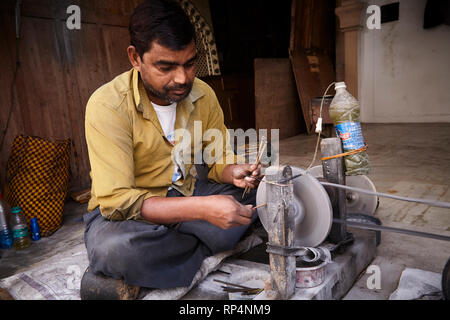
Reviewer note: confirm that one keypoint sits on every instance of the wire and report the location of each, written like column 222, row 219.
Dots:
column 319, row 126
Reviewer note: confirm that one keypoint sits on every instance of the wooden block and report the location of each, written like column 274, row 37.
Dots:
column 281, row 230
column 313, row 73
column 276, row 100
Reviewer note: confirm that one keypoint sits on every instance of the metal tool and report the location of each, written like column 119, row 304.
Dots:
column 233, row 287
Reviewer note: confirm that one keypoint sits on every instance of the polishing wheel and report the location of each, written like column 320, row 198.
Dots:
column 312, row 210
column 356, row 202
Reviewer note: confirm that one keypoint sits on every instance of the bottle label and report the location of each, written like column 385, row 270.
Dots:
column 351, row 135
column 20, row 233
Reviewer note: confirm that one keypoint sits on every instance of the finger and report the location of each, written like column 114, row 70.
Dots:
column 257, row 171
column 259, row 178
column 246, row 211
column 251, row 182
column 242, row 221
column 242, row 171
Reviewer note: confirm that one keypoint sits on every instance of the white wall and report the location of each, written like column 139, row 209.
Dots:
column 404, row 73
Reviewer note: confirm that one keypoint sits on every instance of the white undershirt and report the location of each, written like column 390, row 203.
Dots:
column 167, row 116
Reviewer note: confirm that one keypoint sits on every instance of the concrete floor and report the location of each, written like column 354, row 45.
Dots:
column 411, row 160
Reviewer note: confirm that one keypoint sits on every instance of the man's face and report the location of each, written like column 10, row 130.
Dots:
column 168, row 75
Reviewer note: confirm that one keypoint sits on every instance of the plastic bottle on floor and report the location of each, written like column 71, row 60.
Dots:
column 20, row 229
column 34, row 229
column 6, row 238
column 345, row 112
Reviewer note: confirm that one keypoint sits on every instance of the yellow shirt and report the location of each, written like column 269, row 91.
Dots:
column 131, row 159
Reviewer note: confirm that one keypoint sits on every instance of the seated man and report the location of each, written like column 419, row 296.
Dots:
column 150, row 222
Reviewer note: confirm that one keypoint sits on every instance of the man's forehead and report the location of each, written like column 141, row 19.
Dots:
column 159, row 52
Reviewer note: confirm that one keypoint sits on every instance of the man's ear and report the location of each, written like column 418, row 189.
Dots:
column 134, row 58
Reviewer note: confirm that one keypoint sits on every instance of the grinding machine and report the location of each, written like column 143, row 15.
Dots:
column 306, row 214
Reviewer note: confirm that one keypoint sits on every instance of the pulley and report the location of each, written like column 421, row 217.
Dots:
column 357, row 203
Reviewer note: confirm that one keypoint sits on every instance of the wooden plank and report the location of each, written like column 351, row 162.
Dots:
column 60, row 69
column 313, row 72
column 313, row 25
column 7, row 65
column 42, row 103
column 86, row 73
column 281, row 230
column 276, row 99
column 311, row 50
column 116, row 41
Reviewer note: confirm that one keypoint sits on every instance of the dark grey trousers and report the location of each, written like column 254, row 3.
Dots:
column 159, row 256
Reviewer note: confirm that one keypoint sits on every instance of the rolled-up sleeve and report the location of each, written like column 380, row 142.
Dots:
column 110, row 147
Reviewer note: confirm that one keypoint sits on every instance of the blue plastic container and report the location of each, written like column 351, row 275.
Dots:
column 34, row 227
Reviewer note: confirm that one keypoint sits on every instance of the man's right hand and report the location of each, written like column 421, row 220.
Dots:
column 226, row 212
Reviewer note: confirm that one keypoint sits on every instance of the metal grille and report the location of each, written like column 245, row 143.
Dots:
column 208, row 59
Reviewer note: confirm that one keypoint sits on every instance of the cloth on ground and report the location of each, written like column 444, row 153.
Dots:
column 59, row 277
column 416, row 284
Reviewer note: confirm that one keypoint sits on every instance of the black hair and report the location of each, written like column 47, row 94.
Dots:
column 163, row 21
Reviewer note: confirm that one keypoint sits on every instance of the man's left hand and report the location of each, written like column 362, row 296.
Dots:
column 246, row 175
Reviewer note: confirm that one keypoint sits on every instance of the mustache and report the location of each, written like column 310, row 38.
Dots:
column 177, row 87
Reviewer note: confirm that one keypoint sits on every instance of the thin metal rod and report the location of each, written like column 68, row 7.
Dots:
column 262, row 147
column 424, row 201
column 233, row 284
column 391, row 229
column 432, row 203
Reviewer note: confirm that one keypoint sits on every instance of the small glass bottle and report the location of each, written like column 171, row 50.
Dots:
column 20, row 229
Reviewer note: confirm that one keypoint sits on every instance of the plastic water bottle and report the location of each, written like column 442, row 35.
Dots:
column 34, row 229
column 20, row 229
column 6, row 238
column 345, row 112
